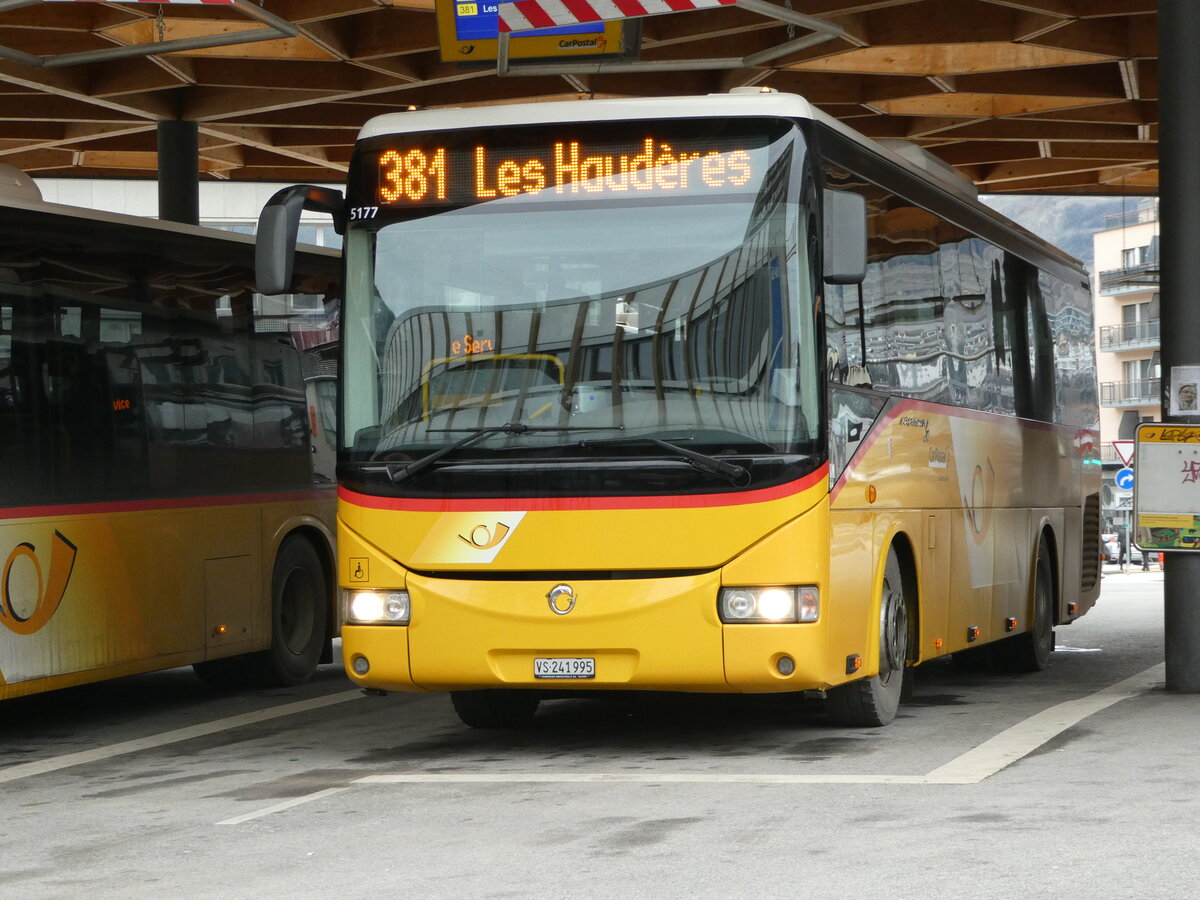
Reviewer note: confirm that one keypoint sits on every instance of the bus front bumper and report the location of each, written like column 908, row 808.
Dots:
column 635, row 634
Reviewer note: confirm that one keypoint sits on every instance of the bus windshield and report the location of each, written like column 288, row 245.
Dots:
column 651, row 287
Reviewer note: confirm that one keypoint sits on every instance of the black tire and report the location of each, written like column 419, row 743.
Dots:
column 495, row 709
column 1030, row 651
column 873, row 702
column 299, row 612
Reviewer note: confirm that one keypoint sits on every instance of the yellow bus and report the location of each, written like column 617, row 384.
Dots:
column 161, row 498
column 824, row 416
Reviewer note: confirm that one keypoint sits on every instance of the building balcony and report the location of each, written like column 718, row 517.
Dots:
column 1143, row 392
column 1109, row 454
column 1130, row 336
column 1130, row 278
column 1145, row 212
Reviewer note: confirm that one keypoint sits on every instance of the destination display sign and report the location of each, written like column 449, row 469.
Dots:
column 418, row 171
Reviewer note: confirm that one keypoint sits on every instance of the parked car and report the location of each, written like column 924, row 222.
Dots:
column 1112, row 551
column 1112, row 548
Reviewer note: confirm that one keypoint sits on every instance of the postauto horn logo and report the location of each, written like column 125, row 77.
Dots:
column 23, row 611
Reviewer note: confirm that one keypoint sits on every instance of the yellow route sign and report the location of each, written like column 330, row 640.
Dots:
column 1166, row 492
column 468, row 32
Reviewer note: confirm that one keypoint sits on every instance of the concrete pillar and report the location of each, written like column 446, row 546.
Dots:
column 179, row 172
column 1179, row 209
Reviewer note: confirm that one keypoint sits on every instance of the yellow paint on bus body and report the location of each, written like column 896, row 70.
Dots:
column 965, row 497
column 88, row 596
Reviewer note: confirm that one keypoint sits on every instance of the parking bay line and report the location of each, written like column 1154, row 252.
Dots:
column 972, row 767
column 97, row 754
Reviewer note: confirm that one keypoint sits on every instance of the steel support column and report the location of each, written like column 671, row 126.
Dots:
column 1179, row 210
column 179, row 172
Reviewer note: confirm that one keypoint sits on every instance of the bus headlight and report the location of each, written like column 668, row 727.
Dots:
column 769, row 604
column 377, row 607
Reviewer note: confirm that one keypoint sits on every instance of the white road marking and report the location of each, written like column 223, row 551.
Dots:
column 972, row 767
column 280, row 807
column 1023, row 738
column 54, row 763
column 631, row 778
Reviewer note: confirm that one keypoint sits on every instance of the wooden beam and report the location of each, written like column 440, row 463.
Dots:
column 177, row 28
column 1083, row 9
column 941, row 22
column 299, row 75
column 1037, row 168
column 260, row 139
column 985, row 152
column 1101, row 37
column 947, row 59
column 1025, row 130
column 73, row 86
column 70, row 16
column 399, row 34
column 923, row 127
column 1125, row 113
column 288, row 174
column 302, row 12
column 966, row 104
column 39, row 160
column 59, row 109
column 1101, row 80
column 51, row 43
column 130, row 77
column 1028, row 25
column 1131, row 177
column 1144, row 152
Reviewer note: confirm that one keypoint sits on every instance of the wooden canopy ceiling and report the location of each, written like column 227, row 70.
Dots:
column 1022, row 96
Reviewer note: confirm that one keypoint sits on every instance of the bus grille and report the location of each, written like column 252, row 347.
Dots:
column 1089, row 568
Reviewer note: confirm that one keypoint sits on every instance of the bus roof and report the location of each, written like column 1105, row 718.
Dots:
column 31, row 204
column 741, row 102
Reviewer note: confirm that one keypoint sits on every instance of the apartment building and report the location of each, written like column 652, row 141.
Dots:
column 1128, row 347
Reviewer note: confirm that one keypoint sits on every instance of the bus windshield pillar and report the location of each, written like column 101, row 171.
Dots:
column 1179, row 192
column 179, row 172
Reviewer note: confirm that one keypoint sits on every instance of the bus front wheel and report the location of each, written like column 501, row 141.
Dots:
column 298, row 613
column 873, row 701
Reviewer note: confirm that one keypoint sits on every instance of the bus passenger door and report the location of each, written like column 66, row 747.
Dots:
column 936, row 559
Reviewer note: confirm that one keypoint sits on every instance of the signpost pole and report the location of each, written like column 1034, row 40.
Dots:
column 1179, row 82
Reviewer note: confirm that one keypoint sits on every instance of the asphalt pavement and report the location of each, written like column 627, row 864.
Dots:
column 1076, row 781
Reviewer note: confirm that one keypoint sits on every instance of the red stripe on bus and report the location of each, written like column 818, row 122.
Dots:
column 123, row 506
column 530, row 504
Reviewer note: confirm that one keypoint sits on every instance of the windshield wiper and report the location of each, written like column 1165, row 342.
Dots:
column 736, row 475
column 401, row 474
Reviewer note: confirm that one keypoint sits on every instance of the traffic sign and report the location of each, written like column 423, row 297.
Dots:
column 1124, row 450
column 1124, row 479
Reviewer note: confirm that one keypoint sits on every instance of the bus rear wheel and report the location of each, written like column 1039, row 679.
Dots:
column 873, row 702
column 495, row 709
column 298, row 614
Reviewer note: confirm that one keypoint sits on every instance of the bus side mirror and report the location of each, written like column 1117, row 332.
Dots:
column 845, row 237
column 278, row 224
